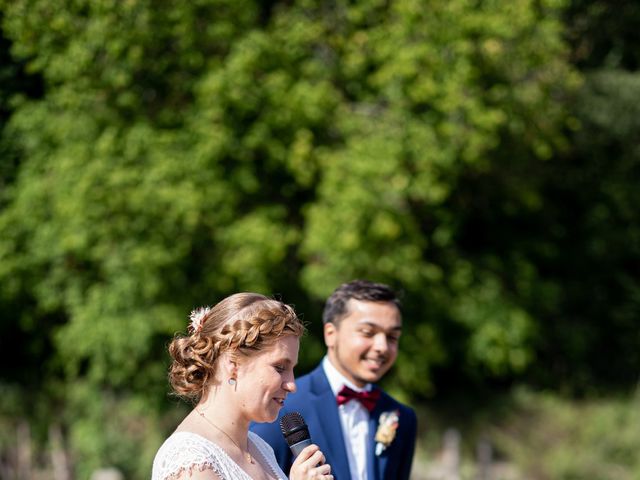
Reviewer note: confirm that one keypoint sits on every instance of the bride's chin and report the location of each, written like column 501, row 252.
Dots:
column 267, row 417
column 271, row 418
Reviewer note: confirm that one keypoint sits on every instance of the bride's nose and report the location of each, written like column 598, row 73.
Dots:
column 289, row 385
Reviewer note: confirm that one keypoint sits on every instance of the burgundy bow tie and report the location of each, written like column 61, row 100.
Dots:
column 367, row 399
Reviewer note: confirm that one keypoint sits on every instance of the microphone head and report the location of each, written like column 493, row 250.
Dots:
column 293, row 428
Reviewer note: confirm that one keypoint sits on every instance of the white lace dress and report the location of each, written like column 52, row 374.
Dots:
column 186, row 451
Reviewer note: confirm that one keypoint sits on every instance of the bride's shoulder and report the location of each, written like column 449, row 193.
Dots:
column 184, row 452
column 186, row 442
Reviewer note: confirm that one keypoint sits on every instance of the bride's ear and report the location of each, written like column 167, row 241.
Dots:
column 228, row 367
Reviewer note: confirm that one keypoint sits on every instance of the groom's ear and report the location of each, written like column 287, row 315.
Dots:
column 330, row 334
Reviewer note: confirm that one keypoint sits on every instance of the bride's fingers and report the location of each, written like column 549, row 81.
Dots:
column 325, row 477
column 308, row 452
column 310, row 465
column 324, row 469
column 317, row 458
column 323, row 472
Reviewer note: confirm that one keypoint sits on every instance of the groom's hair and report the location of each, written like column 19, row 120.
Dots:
column 337, row 305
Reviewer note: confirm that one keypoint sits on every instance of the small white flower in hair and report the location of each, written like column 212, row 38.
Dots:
column 197, row 319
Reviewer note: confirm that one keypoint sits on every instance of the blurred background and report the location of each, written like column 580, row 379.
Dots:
column 480, row 156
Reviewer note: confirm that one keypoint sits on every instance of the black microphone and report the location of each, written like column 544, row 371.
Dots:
column 295, row 432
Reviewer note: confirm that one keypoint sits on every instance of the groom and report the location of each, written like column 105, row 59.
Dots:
column 364, row 433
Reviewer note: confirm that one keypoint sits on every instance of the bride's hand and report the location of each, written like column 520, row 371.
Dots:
column 309, row 465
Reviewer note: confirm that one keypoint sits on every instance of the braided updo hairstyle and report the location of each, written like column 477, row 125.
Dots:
column 242, row 323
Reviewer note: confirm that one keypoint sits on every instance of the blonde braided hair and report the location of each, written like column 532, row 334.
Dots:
column 242, row 323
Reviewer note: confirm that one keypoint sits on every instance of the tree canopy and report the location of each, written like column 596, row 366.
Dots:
column 157, row 156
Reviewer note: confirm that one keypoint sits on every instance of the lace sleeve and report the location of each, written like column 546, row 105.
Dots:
column 267, row 452
column 188, row 452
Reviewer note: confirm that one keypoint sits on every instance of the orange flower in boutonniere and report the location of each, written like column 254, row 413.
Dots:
column 386, row 432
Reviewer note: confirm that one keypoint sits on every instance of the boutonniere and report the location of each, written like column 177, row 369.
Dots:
column 386, row 430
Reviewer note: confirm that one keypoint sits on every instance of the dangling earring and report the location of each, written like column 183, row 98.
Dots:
column 232, row 382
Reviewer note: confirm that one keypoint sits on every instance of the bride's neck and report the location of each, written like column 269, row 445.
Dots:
column 224, row 415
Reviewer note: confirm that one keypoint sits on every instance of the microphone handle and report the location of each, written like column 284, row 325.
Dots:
column 296, row 448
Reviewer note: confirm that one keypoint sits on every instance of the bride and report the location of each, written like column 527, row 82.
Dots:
column 236, row 366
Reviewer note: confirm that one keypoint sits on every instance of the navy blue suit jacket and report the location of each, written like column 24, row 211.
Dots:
column 315, row 401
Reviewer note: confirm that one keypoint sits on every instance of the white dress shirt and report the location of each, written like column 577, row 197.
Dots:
column 354, row 419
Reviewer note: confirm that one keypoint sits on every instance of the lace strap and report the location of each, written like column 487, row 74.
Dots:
column 267, row 453
column 185, row 451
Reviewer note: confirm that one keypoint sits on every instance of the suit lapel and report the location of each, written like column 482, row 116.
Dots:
column 376, row 464
column 328, row 420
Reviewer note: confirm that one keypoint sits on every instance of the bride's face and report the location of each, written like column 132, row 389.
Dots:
column 266, row 378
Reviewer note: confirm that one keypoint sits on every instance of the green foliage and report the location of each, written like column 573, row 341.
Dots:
column 176, row 153
column 534, row 435
column 604, row 35
column 548, row 437
column 587, row 285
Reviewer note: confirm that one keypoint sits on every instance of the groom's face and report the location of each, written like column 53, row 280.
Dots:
column 363, row 345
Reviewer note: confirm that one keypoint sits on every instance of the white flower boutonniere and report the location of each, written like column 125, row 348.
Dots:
column 386, row 430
